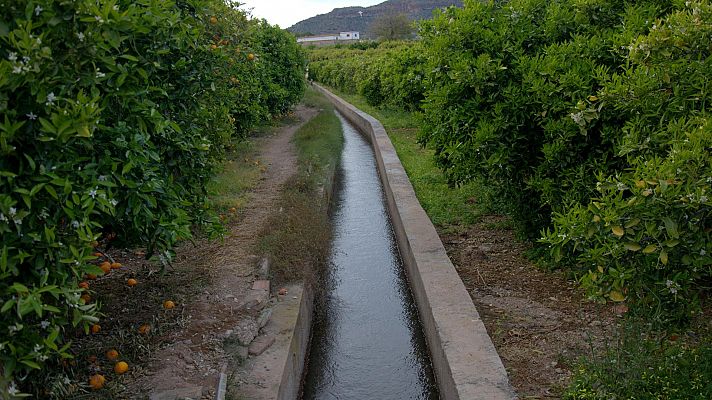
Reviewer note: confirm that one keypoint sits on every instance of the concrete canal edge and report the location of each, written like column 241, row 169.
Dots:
column 466, row 363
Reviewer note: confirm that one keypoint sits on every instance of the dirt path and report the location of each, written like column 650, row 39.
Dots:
column 194, row 355
column 539, row 321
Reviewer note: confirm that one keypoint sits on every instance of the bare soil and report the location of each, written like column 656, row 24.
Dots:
column 196, row 354
column 539, row 321
column 208, row 283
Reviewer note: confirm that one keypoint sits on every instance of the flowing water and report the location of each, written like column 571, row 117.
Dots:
column 367, row 341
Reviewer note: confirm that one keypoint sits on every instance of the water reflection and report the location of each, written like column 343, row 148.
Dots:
column 367, row 341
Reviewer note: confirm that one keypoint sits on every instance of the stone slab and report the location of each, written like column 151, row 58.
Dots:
column 260, row 344
column 261, row 284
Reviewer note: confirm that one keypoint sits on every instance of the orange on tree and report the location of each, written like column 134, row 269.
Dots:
column 91, row 277
column 112, row 354
column 86, row 298
column 251, row 57
column 116, row 265
column 169, row 304
column 97, row 381
column 121, row 367
column 132, row 282
column 96, row 328
column 213, row 20
column 84, row 285
column 98, row 255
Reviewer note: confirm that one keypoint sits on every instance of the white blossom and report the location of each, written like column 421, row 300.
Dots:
column 703, row 252
column 38, row 348
column 12, row 211
column 99, row 19
column 75, row 224
column 80, row 36
column 17, row 221
column 12, row 56
column 12, row 389
column 50, row 99
column 26, row 59
column 38, row 10
column 31, row 116
column 16, row 70
column 92, row 193
column 100, row 74
column 114, row 202
column 3, row 218
column 116, row 7
column 44, row 324
column 102, row 178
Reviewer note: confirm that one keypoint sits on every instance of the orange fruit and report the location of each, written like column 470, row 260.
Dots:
column 121, row 367
column 168, row 304
column 96, row 328
column 144, row 329
column 112, row 354
column 213, row 20
column 86, row 298
column 91, row 277
column 250, row 56
column 84, row 285
column 106, row 267
column 98, row 255
column 97, row 381
column 132, row 282
column 116, row 265
column 212, row 46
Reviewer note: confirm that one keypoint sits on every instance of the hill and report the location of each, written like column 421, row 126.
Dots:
column 349, row 18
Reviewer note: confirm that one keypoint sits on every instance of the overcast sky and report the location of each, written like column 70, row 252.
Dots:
column 286, row 13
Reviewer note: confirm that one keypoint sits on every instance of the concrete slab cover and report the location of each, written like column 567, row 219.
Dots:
column 466, row 362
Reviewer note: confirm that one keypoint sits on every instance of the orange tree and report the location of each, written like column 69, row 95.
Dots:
column 113, row 115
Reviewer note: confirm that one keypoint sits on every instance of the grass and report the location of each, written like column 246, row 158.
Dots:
column 297, row 239
column 451, row 209
column 643, row 363
column 239, row 175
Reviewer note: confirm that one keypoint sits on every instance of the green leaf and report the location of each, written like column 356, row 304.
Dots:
column 632, row 246
column 671, row 227
column 616, row 296
column 618, row 231
column 651, row 248
column 31, row 364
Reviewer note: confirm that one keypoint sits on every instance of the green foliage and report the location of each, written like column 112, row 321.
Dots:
column 390, row 74
column 392, row 27
column 113, row 115
column 660, row 205
column 643, row 365
column 582, row 116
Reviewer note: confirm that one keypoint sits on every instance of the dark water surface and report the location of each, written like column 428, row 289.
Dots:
column 367, row 341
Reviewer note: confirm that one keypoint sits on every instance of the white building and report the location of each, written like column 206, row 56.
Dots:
column 329, row 39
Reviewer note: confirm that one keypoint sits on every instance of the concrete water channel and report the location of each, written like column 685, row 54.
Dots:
column 367, row 340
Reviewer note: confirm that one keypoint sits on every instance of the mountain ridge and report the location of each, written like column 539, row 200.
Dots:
column 348, row 18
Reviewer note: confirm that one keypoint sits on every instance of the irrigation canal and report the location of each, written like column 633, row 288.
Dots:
column 367, row 340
